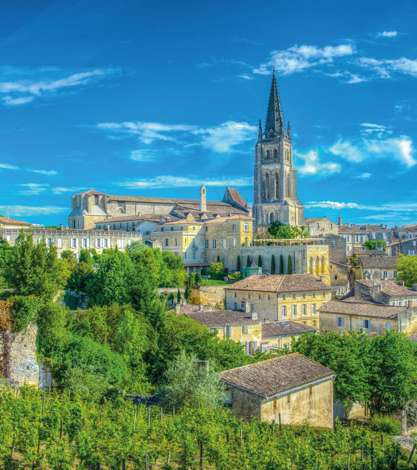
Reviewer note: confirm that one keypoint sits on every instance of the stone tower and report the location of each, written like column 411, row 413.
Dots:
column 275, row 192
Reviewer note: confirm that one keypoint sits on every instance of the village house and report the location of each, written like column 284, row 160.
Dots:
column 378, row 265
column 249, row 330
column 386, row 292
column 357, row 235
column 320, row 226
column 406, row 246
column 289, row 390
column 6, row 223
column 296, row 297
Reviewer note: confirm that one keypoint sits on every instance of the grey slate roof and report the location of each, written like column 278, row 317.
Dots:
column 269, row 378
column 389, row 287
column 356, row 307
column 378, row 261
column 221, row 318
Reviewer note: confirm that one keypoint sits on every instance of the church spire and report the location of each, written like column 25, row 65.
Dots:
column 274, row 118
column 259, row 131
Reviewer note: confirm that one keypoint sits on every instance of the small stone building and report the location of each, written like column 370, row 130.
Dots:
column 289, row 389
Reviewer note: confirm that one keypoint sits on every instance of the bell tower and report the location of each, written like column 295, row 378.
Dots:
column 275, row 192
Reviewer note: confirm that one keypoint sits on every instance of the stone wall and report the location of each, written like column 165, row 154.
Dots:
column 212, row 296
column 18, row 353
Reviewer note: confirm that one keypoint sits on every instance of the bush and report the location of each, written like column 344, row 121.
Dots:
column 385, row 424
column 24, row 310
column 216, row 270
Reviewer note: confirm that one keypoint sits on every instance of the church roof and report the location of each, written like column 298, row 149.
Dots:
column 274, row 117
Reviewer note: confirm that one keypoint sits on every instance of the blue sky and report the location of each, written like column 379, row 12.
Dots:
column 135, row 97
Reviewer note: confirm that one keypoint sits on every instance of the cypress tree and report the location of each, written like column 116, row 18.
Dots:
column 289, row 264
column 260, row 261
column 238, row 267
column 273, row 268
column 281, row 264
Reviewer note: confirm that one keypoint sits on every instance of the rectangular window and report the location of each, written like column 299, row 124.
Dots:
column 314, row 309
column 367, row 324
column 283, row 312
column 166, row 241
column 98, row 242
column 304, row 309
column 85, row 242
column 294, row 311
column 234, row 242
column 59, row 243
column 73, row 243
column 234, row 228
column 228, row 331
column 214, row 243
column 106, row 243
column 340, row 322
column 246, row 228
column 206, row 243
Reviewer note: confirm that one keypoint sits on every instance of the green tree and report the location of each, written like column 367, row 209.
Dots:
column 5, row 252
column 407, row 269
column 379, row 245
column 24, row 310
column 216, row 270
column 112, row 279
column 281, row 265
column 393, row 372
column 289, row 265
column 33, row 269
column 188, row 382
column 248, row 261
column 273, row 267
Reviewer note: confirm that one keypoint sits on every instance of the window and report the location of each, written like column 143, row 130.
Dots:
column 314, row 309
column 235, row 306
column 304, row 309
column 166, row 242
column 234, row 242
column 59, row 243
column 246, row 228
column 366, row 324
column 98, row 242
column 228, row 331
column 73, row 243
column 224, row 244
column 176, row 242
column 234, row 228
column 340, row 322
column 206, row 243
column 294, row 311
column 245, row 329
column 106, row 243
column 120, row 244
column 284, row 311
column 214, row 243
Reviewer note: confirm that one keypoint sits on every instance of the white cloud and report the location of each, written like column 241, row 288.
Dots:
column 33, row 189
column 394, row 207
column 168, row 181
column 222, row 138
column 298, row 58
column 313, row 166
column 401, row 148
column 20, row 92
column 227, row 135
column 22, row 211
column 65, row 189
column 385, row 67
column 245, row 76
column 364, row 176
column 8, row 166
column 143, row 155
column 387, row 34
column 346, row 150
column 374, row 130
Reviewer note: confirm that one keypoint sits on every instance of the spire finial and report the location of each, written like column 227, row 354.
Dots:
column 259, row 130
column 274, row 119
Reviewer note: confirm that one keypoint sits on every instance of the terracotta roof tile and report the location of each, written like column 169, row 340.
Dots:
column 7, row 221
column 221, row 318
column 284, row 328
column 280, row 283
column 356, row 307
column 389, row 288
column 269, row 378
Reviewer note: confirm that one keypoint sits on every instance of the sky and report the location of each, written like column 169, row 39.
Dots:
column 156, row 98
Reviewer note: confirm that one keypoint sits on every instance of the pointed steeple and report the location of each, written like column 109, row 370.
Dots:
column 260, row 131
column 289, row 130
column 274, row 118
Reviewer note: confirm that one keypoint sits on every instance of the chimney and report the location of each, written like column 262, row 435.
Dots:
column 203, row 199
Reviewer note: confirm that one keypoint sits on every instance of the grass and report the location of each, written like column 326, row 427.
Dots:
column 213, row 282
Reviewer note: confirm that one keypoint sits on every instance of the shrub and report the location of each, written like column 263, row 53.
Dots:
column 385, row 424
column 24, row 310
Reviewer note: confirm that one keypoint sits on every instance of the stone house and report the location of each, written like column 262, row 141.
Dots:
column 296, row 297
column 290, row 390
column 386, row 292
column 357, row 235
column 248, row 330
column 406, row 246
column 320, row 226
column 5, row 222
column 378, row 265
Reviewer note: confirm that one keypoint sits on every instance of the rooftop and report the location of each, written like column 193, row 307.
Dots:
column 7, row 221
column 284, row 328
column 361, row 308
column 378, row 261
column 280, row 283
column 388, row 287
column 221, row 318
column 269, row 378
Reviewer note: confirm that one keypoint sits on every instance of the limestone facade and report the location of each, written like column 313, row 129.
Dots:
column 76, row 240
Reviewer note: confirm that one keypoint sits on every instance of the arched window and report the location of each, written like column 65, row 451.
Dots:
column 271, row 217
column 268, row 154
column 275, row 153
column 267, row 186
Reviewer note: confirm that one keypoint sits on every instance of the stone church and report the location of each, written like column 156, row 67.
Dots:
column 275, row 191
column 275, row 194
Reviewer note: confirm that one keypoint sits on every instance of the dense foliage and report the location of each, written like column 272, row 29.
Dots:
column 52, row 431
column 379, row 371
column 280, row 230
column 379, row 245
column 407, row 269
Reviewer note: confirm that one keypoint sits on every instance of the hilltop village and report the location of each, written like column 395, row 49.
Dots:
column 149, row 315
